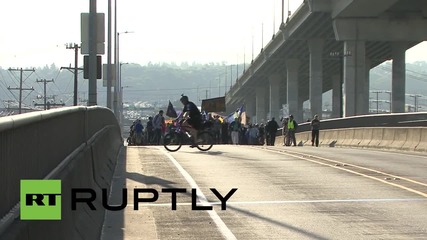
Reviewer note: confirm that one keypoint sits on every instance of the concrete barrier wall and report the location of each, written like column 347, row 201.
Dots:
column 377, row 137
column 357, row 138
column 367, row 134
column 417, row 119
column 340, row 137
column 394, row 138
column 422, row 146
column 78, row 145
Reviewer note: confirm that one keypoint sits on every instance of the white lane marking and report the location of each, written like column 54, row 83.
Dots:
column 225, row 231
column 367, row 200
column 363, row 200
column 306, row 155
column 305, row 158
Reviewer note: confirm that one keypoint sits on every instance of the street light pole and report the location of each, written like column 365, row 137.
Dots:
column 283, row 13
column 109, row 69
column 121, row 94
column 118, row 84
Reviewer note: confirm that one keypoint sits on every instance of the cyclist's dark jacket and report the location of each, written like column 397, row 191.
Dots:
column 194, row 114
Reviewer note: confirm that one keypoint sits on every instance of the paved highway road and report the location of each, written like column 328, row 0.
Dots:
column 282, row 193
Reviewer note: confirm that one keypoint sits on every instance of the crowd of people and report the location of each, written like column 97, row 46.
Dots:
column 152, row 134
column 228, row 133
column 223, row 130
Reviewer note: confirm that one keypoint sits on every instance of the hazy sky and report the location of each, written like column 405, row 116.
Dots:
column 34, row 32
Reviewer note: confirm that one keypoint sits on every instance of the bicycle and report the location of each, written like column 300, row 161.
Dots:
column 176, row 137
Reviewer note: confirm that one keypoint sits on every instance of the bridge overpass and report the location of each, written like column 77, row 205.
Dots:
column 83, row 147
column 331, row 45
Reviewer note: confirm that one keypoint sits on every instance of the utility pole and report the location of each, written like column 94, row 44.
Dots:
column 44, row 81
column 74, row 71
column 76, row 68
column 20, row 85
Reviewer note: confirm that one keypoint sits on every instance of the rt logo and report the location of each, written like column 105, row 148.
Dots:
column 40, row 200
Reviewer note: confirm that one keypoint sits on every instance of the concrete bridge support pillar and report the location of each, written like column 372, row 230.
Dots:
column 354, row 75
column 292, row 88
column 316, row 76
column 261, row 114
column 398, row 78
column 362, row 88
column 274, row 102
column 336, row 96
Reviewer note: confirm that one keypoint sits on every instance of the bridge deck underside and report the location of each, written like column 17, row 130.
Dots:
column 316, row 26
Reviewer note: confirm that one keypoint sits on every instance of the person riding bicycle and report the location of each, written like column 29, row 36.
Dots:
column 191, row 113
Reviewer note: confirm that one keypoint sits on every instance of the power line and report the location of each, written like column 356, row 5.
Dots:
column 389, row 71
column 5, row 86
column 20, row 85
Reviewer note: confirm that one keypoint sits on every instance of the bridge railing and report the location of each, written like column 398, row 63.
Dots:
column 78, row 145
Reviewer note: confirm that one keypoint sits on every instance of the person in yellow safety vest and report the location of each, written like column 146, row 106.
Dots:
column 292, row 126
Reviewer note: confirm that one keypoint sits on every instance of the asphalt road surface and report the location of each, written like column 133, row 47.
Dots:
column 282, row 193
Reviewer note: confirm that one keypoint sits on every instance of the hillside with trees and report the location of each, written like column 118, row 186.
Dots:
column 156, row 84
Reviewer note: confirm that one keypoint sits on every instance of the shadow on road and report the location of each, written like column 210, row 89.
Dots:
column 304, row 232
column 149, row 180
